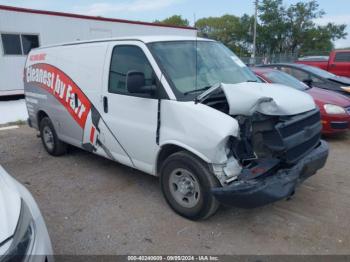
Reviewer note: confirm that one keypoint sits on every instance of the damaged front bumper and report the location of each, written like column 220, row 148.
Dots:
column 263, row 190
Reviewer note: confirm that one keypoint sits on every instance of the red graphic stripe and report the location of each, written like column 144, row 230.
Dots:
column 92, row 135
column 62, row 87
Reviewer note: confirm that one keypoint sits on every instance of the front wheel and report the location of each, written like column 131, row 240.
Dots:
column 186, row 182
column 53, row 145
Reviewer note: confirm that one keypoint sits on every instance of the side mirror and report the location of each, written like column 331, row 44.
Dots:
column 308, row 82
column 136, row 84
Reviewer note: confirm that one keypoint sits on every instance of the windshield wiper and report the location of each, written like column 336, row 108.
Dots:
column 208, row 87
column 197, row 90
column 202, row 96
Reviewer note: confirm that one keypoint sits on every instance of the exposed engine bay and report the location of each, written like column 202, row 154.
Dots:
column 267, row 143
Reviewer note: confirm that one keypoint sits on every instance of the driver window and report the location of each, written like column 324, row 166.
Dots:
column 125, row 59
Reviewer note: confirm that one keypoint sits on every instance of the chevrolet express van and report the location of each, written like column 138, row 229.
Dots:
column 185, row 109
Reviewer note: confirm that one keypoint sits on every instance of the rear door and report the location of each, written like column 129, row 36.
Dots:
column 340, row 63
column 132, row 118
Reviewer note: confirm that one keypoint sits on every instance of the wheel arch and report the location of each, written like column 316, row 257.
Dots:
column 40, row 115
column 172, row 147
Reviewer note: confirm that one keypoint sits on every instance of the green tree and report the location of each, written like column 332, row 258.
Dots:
column 280, row 29
column 245, row 33
column 176, row 20
column 292, row 29
column 226, row 29
column 320, row 38
column 299, row 19
column 273, row 28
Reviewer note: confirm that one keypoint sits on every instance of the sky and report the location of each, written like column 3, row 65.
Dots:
column 337, row 11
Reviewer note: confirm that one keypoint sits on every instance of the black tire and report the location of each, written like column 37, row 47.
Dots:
column 205, row 204
column 57, row 147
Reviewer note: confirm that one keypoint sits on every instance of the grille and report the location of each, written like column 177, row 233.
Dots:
column 295, row 153
column 298, row 123
column 294, row 137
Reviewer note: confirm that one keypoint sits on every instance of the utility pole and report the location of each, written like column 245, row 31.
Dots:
column 254, row 36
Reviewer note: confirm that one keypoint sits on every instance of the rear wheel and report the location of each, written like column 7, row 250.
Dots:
column 53, row 145
column 186, row 182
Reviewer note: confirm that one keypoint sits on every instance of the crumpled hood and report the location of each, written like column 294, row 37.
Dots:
column 269, row 99
column 10, row 205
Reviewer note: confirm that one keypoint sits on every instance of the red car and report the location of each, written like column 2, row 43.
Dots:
column 334, row 107
column 337, row 63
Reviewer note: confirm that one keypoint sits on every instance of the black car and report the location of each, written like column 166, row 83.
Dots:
column 315, row 77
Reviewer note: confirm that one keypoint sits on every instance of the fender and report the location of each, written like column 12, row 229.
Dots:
column 184, row 146
column 201, row 129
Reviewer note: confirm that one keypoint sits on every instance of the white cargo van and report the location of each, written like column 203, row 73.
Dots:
column 181, row 108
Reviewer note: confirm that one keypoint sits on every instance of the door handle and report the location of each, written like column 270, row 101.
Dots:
column 105, row 104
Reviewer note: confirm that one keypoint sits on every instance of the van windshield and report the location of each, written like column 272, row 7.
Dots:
column 197, row 65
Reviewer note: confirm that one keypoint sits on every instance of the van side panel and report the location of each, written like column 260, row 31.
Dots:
column 38, row 99
column 65, row 83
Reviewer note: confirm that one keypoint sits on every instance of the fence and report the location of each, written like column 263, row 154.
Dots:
column 280, row 58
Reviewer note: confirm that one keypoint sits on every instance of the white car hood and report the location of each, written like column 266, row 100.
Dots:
column 269, row 99
column 10, row 205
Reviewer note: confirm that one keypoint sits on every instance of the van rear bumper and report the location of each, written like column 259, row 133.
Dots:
column 263, row 190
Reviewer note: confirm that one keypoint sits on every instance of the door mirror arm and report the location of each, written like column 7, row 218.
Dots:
column 149, row 90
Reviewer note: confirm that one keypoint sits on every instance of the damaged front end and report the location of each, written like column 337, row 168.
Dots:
column 276, row 154
column 268, row 181
column 275, row 151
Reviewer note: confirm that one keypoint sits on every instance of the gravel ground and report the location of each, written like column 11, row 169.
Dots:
column 95, row 206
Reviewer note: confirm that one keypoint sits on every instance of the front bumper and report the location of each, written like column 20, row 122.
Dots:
column 335, row 123
column 263, row 190
column 340, row 125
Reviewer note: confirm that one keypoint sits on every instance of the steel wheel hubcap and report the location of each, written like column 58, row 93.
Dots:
column 48, row 137
column 184, row 187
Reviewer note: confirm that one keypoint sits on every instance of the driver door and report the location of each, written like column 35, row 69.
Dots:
column 132, row 118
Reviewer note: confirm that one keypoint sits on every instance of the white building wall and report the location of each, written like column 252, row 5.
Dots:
column 58, row 29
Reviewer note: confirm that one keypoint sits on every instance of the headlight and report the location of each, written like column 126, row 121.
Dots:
column 23, row 236
column 333, row 109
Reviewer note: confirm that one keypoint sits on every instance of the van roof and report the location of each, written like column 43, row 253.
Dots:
column 145, row 39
